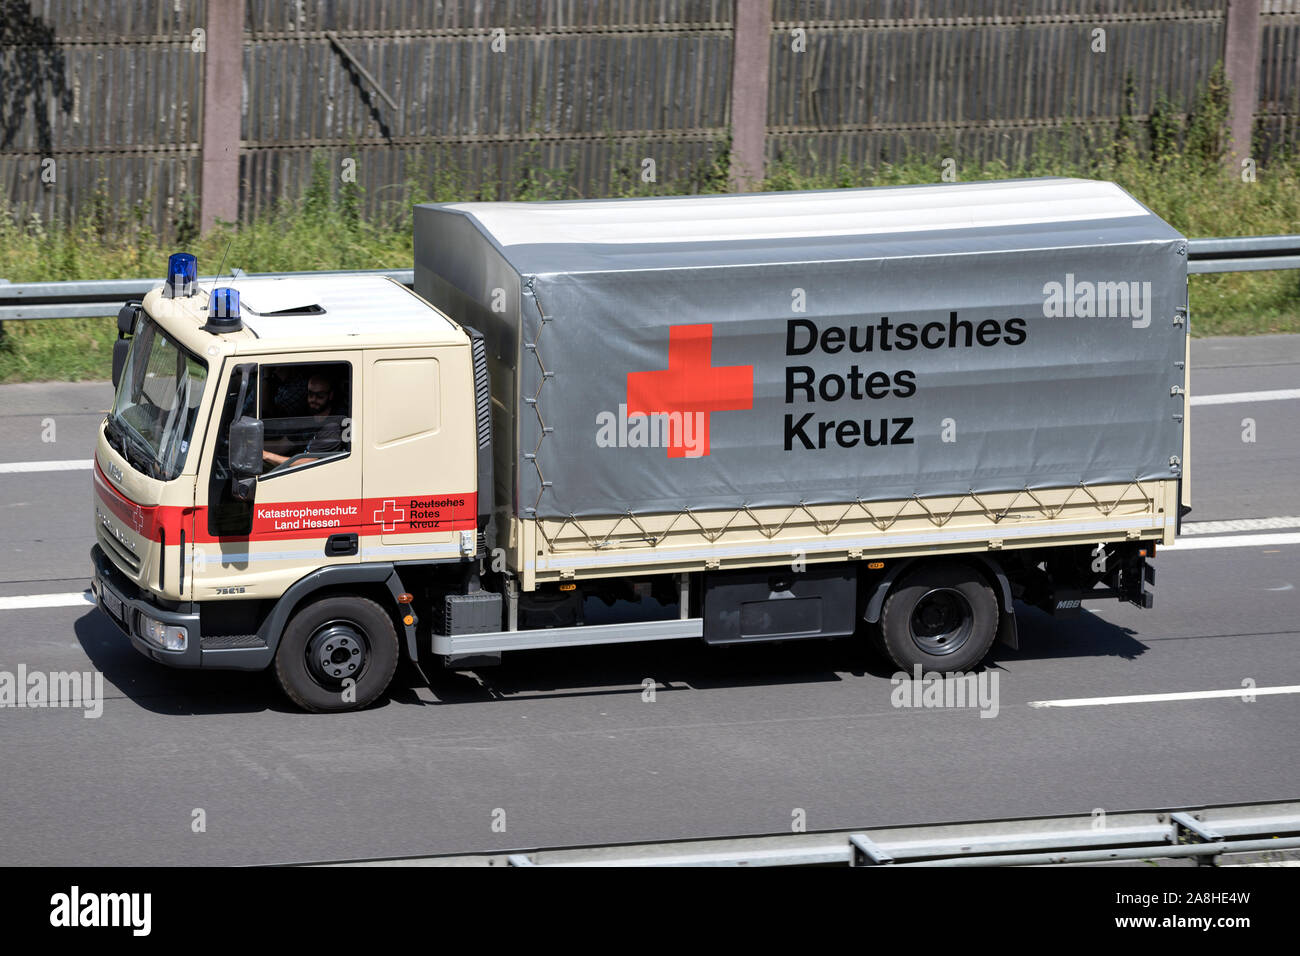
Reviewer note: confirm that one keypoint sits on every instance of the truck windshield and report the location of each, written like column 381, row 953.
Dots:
column 157, row 403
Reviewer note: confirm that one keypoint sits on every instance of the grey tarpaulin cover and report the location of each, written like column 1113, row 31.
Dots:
column 649, row 355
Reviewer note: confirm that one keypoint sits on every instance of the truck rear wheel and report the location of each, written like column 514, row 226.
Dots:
column 941, row 616
column 337, row 654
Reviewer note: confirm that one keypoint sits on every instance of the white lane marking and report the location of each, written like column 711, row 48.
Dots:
column 75, row 464
column 1149, row 698
column 1239, row 524
column 1233, row 398
column 1230, row 541
column 27, row 601
column 1265, row 863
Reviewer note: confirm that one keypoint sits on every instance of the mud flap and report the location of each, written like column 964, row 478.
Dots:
column 408, row 630
column 1067, row 602
column 1135, row 577
column 1007, row 631
column 1146, row 598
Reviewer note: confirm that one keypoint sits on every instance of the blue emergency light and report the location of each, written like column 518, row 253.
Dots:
column 182, row 272
column 223, row 311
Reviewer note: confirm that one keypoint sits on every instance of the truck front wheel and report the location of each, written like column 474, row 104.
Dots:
column 941, row 616
column 337, row 654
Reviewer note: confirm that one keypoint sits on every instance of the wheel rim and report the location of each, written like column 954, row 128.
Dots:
column 942, row 621
column 337, row 651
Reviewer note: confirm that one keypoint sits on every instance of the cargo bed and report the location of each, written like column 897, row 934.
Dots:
column 688, row 383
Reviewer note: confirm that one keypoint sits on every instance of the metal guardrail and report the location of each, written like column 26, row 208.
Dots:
column 92, row 298
column 103, row 297
column 1243, row 254
column 1209, row 835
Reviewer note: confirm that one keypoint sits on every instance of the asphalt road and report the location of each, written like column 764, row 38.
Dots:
column 563, row 748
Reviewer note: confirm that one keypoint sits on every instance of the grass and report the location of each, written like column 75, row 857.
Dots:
column 57, row 350
column 1183, row 181
column 316, row 234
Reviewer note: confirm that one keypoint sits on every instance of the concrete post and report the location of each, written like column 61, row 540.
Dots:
column 749, row 66
column 1241, row 68
column 223, row 78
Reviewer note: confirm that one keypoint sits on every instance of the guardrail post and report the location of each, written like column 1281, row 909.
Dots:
column 1241, row 68
column 223, row 80
column 751, row 39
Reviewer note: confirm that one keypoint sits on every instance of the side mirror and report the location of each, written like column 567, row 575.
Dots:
column 246, row 442
column 126, row 318
column 246, row 446
column 120, row 348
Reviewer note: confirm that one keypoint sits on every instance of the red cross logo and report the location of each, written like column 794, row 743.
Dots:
column 389, row 515
column 137, row 519
column 690, row 385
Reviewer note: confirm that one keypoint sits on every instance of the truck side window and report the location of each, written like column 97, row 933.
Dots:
column 227, row 515
column 306, row 414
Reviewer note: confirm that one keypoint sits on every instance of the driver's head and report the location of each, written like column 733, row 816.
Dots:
column 320, row 394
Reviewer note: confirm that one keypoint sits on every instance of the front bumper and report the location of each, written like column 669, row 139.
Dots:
column 106, row 578
column 214, row 653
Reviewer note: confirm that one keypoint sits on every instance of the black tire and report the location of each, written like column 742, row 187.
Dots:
column 943, row 616
column 357, row 638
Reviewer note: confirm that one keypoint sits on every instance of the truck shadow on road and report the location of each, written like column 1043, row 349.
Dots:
column 690, row 665
column 1043, row 636
column 167, row 690
column 667, row 666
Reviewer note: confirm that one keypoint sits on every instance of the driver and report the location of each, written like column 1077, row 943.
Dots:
column 328, row 435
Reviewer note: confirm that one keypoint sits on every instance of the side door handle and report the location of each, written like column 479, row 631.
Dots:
column 340, row 545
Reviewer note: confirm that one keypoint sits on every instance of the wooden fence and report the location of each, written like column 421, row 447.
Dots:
column 102, row 105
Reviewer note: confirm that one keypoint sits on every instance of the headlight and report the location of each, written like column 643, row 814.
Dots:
column 166, row 636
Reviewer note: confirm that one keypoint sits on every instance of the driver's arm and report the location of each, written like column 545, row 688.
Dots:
column 327, row 440
column 275, row 460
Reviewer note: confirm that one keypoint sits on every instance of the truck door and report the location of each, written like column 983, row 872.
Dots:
column 307, row 510
column 420, row 468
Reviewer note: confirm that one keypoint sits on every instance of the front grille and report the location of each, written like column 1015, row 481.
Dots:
column 111, row 546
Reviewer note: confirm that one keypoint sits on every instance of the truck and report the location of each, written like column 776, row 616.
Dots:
column 884, row 415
